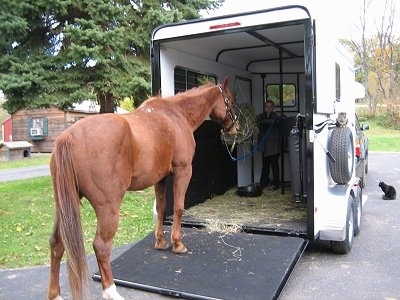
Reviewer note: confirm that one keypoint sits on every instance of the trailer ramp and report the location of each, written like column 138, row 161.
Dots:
column 217, row 265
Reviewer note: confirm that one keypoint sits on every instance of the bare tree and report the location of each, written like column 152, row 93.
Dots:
column 386, row 58
column 377, row 58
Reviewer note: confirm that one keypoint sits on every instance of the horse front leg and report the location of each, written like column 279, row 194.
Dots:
column 181, row 181
column 161, row 203
column 56, row 253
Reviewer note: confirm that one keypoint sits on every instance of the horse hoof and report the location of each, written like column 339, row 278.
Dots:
column 111, row 293
column 179, row 250
column 161, row 246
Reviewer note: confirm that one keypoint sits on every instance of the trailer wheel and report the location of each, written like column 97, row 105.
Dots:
column 344, row 247
column 341, row 147
column 357, row 211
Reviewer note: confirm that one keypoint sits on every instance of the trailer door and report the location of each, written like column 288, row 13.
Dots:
column 218, row 265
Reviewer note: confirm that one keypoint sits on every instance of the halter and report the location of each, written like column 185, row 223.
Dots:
column 228, row 112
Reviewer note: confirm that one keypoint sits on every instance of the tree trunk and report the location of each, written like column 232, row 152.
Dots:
column 106, row 101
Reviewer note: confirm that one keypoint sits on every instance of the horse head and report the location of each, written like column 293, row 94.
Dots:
column 225, row 111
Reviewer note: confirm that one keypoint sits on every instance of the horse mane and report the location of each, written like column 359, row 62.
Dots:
column 197, row 89
column 154, row 98
column 193, row 91
column 181, row 95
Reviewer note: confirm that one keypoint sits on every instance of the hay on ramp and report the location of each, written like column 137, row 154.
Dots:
column 271, row 209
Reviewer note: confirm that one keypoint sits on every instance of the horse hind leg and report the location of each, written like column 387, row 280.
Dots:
column 56, row 253
column 107, row 225
column 181, row 181
column 160, row 191
column 176, row 235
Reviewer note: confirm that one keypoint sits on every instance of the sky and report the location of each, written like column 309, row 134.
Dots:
column 346, row 13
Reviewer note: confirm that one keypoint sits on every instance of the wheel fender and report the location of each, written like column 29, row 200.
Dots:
column 344, row 247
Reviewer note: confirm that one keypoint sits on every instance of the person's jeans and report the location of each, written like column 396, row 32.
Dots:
column 270, row 162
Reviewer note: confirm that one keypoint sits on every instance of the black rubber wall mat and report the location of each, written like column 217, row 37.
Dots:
column 216, row 266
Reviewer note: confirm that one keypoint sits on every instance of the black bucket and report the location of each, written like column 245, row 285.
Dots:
column 251, row 190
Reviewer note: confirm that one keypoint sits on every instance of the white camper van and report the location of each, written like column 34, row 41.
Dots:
column 287, row 54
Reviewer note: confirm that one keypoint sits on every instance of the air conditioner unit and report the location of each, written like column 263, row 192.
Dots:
column 36, row 132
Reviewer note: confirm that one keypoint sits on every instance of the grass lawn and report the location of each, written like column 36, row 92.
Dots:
column 26, row 221
column 382, row 139
column 34, row 160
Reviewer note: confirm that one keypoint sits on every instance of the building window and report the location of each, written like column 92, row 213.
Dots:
column 37, row 128
column 185, row 79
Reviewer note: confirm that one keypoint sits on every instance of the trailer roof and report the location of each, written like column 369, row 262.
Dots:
column 241, row 40
column 234, row 21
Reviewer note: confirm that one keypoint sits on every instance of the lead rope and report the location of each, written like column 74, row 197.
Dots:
column 251, row 153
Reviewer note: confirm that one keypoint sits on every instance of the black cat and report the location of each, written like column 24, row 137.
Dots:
column 390, row 192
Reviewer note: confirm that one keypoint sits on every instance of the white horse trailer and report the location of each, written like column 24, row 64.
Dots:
column 288, row 54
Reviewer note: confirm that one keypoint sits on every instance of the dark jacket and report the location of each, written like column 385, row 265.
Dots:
column 269, row 134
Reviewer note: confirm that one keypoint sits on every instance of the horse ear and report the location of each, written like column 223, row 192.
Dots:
column 225, row 84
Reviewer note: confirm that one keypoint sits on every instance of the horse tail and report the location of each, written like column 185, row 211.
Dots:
column 67, row 200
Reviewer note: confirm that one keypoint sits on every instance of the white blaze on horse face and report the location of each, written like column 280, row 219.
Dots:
column 111, row 293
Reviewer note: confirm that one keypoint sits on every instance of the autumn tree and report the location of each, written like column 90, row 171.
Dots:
column 66, row 51
column 378, row 62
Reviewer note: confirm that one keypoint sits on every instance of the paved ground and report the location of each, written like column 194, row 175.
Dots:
column 24, row 173
column 370, row 271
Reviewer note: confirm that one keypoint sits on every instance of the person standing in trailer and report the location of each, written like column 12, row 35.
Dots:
column 269, row 143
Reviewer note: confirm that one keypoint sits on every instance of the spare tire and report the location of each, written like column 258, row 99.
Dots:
column 341, row 147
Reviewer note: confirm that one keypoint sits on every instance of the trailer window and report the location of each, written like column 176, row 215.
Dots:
column 337, row 72
column 289, row 94
column 185, row 79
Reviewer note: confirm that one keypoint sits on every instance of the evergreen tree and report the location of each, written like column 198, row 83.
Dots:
column 65, row 51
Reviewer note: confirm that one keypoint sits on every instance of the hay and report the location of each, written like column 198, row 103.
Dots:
column 218, row 226
column 271, row 209
column 247, row 125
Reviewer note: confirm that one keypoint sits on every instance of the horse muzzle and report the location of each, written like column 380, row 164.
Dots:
column 233, row 128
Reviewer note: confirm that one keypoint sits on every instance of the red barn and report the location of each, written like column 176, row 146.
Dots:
column 7, row 130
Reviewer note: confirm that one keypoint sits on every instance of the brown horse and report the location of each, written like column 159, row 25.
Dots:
column 103, row 156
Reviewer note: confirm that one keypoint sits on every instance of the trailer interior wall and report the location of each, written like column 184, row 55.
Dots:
column 171, row 58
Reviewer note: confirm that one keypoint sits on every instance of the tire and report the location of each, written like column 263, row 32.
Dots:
column 344, row 247
column 363, row 175
column 341, row 147
column 357, row 204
